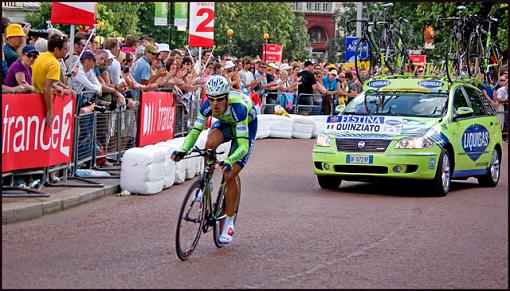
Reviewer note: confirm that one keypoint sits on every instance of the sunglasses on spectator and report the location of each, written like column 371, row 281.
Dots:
column 154, row 54
column 33, row 56
column 502, row 80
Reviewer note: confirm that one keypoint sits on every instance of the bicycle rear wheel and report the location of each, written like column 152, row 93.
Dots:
column 364, row 59
column 475, row 55
column 220, row 212
column 190, row 222
column 493, row 70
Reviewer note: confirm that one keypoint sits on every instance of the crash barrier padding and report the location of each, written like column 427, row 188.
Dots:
column 139, row 165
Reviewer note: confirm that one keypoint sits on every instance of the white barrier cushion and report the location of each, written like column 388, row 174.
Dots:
column 264, row 125
column 281, row 126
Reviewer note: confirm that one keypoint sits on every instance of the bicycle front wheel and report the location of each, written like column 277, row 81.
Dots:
column 397, row 55
column 453, row 60
column 220, row 211
column 364, row 59
column 191, row 221
column 493, row 59
column 475, row 55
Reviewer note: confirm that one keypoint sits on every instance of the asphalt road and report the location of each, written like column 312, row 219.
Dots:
column 290, row 234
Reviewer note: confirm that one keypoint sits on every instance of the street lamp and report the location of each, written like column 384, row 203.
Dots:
column 266, row 37
column 230, row 32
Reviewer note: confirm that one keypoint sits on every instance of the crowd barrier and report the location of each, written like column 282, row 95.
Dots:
column 303, row 104
column 99, row 139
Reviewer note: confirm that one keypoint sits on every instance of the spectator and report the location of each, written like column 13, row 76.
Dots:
column 130, row 44
column 351, row 86
column 142, row 68
column 502, row 99
column 46, row 73
column 307, row 87
column 330, row 83
column 80, row 41
column 178, row 55
column 20, row 72
column 114, row 69
column 15, row 38
column 86, row 79
column 41, row 45
column 246, row 76
column 164, row 52
column 261, row 79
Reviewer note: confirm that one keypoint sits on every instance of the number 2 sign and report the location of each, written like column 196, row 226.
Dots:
column 201, row 24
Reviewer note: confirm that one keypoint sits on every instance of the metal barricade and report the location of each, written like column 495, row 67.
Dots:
column 308, row 104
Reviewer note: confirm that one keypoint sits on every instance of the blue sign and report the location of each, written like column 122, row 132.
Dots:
column 430, row 84
column 378, row 83
column 475, row 140
column 350, row 49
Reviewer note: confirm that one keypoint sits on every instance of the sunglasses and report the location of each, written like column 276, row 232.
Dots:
column 154, row 54
column 219, row 98
column 33, row 56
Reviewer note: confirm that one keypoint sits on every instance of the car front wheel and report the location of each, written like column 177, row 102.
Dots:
column 491, row 179
column 329, row 182
column 442, row 180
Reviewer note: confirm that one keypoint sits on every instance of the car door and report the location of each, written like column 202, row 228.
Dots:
column 457, row 128
column 472, row 137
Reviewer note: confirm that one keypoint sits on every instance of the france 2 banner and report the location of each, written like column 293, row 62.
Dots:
column 201, row 24
column 157, row 116
column 27, row 140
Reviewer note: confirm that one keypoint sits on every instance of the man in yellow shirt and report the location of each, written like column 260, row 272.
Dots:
column 46, row 73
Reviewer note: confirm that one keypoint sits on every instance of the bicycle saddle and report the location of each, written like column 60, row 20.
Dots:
column 461, row 7
column 403, row 20
column 493, row 19
column 388, row 5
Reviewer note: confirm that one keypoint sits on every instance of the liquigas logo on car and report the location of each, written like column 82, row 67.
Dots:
column 378, row 83
column 430, row 84
column 475, row 140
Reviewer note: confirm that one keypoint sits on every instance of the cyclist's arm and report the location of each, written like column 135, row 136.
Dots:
column 198, row 126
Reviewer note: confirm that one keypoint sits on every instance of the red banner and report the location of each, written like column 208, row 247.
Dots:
column 79, row 13
column 418, row 60
column 27, row 141
column 157, row 115
column 272, row 53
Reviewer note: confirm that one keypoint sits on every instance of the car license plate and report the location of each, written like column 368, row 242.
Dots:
column 353, row 159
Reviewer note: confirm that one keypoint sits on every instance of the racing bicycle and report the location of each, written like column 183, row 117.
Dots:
column 198, row 213
column 456, row 52
column 391, row 51
column 486, row 59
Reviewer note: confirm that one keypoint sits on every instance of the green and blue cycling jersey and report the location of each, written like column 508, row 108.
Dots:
column 238, row 123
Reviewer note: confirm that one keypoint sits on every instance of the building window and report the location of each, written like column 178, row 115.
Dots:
column 317, row 34
column 308, row 6
column 317, row 6
column 298, row 6
column 325, row 6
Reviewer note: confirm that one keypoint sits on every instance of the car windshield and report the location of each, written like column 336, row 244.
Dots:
column 415, row 104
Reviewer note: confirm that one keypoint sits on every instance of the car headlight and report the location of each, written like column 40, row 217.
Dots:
column 414, row 142
column 323, row 140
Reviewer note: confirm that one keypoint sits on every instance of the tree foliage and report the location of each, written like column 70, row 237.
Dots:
column 250, row 21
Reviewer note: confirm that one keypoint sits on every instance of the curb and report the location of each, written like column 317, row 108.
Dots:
column 34, row 211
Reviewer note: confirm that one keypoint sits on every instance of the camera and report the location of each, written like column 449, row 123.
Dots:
column 98, row 108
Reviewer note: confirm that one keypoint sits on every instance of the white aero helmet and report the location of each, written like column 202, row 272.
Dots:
column 216, row 86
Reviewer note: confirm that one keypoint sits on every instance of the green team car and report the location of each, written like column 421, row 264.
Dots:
column 410, row 128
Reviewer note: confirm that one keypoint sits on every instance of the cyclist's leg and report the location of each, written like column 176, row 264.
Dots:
column 232, row 192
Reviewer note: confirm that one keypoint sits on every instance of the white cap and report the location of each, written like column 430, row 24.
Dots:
column 110, row 55
column 285, row 66
column 163, row 47
column 274, row 66
column 228, row 65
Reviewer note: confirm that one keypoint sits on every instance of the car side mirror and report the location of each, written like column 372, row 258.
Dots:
column 463, row 112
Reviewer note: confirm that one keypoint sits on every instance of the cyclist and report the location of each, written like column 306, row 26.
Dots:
column 237, row 121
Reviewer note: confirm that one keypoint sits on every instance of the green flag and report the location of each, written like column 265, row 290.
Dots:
column 181, row 15
column 161, row 14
